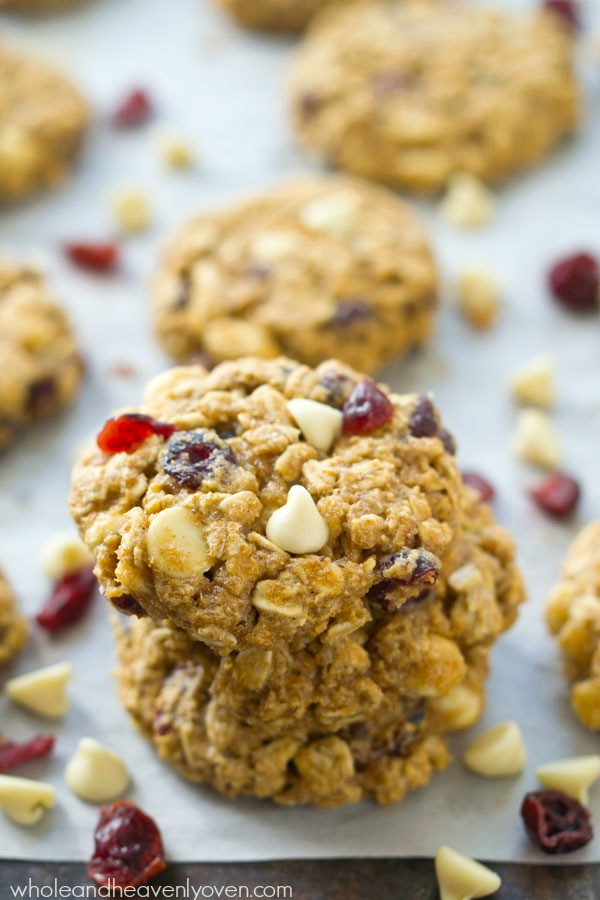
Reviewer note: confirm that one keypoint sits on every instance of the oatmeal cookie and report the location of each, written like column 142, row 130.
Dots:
column 409, row 92
column 43, row 117
column 287, row 502
column 287, row 16
column 350, row 715
column 314, row 269
column 40, row 367
column 573, row 615
column 13, row 629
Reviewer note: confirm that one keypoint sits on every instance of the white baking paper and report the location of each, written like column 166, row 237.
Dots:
column 222, row 89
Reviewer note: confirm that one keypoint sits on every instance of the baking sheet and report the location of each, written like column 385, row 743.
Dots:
column 222, row 89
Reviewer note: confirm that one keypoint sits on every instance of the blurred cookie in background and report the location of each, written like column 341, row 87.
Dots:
column 409, row 92
column 13, row 628
column 316, row 268
column 276, row 15
column 42, row 120
column 40, row 366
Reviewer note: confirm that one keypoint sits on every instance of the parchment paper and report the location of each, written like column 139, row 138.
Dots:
column 222, row 89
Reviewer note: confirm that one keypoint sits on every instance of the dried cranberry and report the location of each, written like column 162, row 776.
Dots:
column 390, row 82
column 366, row 409
column 13, row 754
column 129, row 605
column 419, row 569
column 129, row 849
column 575, row 282
column 351, row 310
column 68, row 601
column 447, row 439
column 481, row 485
column 555, row 822
column 124, row 433
column 193, row 455
column 94, row 257
column 423, row 421
column 558, row 495
column 568, row 10
column 134, row 110
column 309, row 105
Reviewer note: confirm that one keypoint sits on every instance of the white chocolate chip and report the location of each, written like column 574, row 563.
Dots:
column 131, row 210
column 272, row 246
column 63, row 554
column 298, row 527
column 536, row 439
column 478, row 297
column 320, row 424
column 24, row 800
column 497, row 752
column 459, row 708
column 175, row 152
column 228, row 338
column 96, row 773
column 462, row 878
column 465, row 578
column 534, row 383
column 176, row 543
column 573, row 776
column 43, row 691
column 335, row 214
column 467, row 202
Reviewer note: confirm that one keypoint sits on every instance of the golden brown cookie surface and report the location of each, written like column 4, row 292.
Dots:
column 42, row 120
column 40, row 367
column 408, row 92
column 573, row 615
column 13, row 629
column 275, row 15
column 315, row 269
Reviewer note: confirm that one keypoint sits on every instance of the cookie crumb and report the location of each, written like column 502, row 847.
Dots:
column 478, row 297
column 175, row 151
column 533, row 384
column 467, row 203
column 131, row 210
column 536, row 439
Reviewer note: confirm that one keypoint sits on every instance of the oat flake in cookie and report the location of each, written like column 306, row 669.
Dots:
column 573, row 615
column 275, row 15
column 408, row 92
column 13, row 629
column 40, row 366
column 307, row 675
column 318, row 268
column 42, row 120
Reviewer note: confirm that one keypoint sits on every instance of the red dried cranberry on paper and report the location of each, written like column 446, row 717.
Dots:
column 101, row 257
column 575, row 282
column 134, row 110
column 13, row 754
column 69, row 600
column 568, row 10
column 557, row 495
column 129, row 849
column 555, row 822
column 366, row 409
column 124, row 433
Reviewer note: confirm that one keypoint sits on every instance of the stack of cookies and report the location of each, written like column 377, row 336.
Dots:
column 313, row 592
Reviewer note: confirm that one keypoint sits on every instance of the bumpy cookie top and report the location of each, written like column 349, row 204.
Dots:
column 408, row 92
column 42, row 118
column 573, row 615
column 265, row 517
column 317, row 268
column 13, row 629
column 40, row 367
